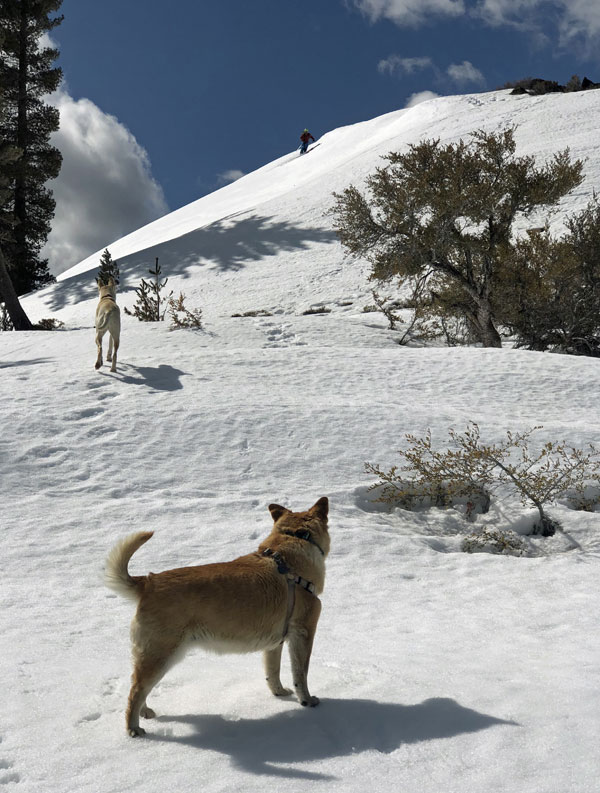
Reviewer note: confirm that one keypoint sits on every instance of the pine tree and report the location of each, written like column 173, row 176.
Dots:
column 12, row 314
column 26, row 75
column 148, row 306
column 108, row 269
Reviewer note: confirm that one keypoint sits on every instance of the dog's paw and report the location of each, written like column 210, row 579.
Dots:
column 311, row 702
column 283, row 692
column 135, row 731
column 147, row 713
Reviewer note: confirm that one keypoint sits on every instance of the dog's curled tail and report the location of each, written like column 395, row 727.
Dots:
column 116, row 574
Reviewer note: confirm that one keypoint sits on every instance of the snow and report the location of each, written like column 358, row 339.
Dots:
column 437, row 670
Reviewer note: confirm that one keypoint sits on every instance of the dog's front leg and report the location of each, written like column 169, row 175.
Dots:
column 272, row 665
column 300, row 644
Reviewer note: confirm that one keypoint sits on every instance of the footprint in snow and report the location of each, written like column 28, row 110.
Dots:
column 9, row 776
column 88, row 413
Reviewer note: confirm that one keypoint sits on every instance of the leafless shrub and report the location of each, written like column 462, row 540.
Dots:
column 181, row 316
column 475, row 467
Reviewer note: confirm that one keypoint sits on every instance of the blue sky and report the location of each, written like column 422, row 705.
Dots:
column 211, row 90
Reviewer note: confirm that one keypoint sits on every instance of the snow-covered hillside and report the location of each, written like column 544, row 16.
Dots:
column 265, row 241
column 436, row 670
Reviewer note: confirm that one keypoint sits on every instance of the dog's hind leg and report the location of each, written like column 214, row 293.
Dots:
column 113, row 368
column 152, row 658
column 149, row 668
column 300, row 644
column 99, row 335
column 272, row 665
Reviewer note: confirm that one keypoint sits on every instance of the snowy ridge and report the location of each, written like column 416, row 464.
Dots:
column 436, row 670
column 280, row 210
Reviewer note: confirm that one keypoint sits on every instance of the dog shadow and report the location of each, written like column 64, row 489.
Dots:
column 337, row 728
column 160, row 378
column 30, row 362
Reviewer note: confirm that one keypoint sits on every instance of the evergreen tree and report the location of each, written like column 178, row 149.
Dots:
column 108, row 269
column 445, row 213
column 26, row 75
column 12, row 314
column 148, row 306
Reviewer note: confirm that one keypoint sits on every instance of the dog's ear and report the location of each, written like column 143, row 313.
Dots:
column 277, row 511
column 321, row 508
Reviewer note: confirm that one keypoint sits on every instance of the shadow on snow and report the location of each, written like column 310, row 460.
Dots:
column 336, row 729
column 161, row 378
column 30, row 362
column 228, row 245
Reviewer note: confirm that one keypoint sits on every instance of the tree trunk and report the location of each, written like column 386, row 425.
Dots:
column 17, row 315
column 484, row 327
column 19, row 259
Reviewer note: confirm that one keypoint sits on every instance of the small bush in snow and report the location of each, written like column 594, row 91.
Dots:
column 474, row 466
column 149, row 307
column 316, row 310
column 494, row 541
column 418, row 494
column 49, row 323
column 5, row 320
column 586, row 499
column 259, row 312
column 181, row 316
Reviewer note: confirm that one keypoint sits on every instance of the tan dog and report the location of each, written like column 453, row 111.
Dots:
column 108, row 318
column 250, row 604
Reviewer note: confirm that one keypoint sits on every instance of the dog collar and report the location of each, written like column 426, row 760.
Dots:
column 302, row 534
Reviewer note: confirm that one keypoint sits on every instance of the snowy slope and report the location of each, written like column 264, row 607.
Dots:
column 265, row 241
column 436, row 670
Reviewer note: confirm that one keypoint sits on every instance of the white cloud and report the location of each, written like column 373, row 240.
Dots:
column 421, row 96
column 105, row 188
column 409, row 12
column 573, row 21
column 465, row 72
column 230, row 176
column 576, row 20
column 403, row 65
column 581, row 21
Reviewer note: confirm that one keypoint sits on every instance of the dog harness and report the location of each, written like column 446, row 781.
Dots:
column 302, row 534
column 292, row 581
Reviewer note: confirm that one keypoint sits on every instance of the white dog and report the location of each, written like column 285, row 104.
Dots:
column 108, row 318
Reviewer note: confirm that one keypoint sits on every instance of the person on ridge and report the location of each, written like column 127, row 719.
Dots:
column 305, row 137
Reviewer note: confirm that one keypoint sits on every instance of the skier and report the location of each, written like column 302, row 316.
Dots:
column 305, row 137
